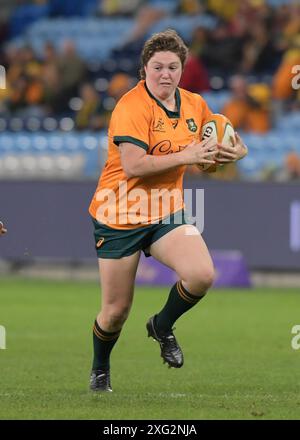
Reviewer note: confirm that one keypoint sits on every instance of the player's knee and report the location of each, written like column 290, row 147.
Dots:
column 199, row 280
column 116, row 316
column 208, row 277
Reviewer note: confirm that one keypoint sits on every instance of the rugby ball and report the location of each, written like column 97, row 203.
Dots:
column 220, row 128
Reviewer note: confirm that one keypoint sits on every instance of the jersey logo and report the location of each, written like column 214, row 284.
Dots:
column 100, row 242
column 175, row 123
column 191, row 125
column 159, row 126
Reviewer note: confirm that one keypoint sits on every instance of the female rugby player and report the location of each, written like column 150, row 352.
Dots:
column 154, row 133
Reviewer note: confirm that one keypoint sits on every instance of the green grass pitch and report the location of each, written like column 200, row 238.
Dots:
column 239, row 363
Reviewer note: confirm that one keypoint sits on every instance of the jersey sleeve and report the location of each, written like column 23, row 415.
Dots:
column 130, row 122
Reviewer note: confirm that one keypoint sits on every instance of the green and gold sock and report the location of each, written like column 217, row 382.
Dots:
column 103, row 345
column 178, row 302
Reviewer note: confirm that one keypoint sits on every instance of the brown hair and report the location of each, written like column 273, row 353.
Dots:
column 168, row 40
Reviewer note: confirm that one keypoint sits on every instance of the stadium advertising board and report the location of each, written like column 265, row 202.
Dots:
column 51, row 220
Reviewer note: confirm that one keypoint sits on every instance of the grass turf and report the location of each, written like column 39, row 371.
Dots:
column 239, row 363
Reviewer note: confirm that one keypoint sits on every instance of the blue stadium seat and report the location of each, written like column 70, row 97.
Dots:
column 291, row 141
column 24, row 15
column 216, row 100
column 55, row 142
column 183, row 24
column 276, row 3
column 87, row 151
column 289, row 122
column 49, row 124
column 95, row 38
column 71, row 8
column 40, row 160
column 71, row 142
column 22, row 142
column 6, row 142
column 249, row 167
column 3, row 124
column 274, row 143
column 39, row 142
column 16, row 124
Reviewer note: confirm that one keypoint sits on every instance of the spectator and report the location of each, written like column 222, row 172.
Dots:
column 259, row 54
column 195, row 76
column 53, row 99
column 258, row 118
column 190, row 7
column 119, row 84
column 237, row 107
column 148, row 14
column 199, row 41
column 72, row 69
column 119, row 7
column 222, row 50
column 30, row 64
column 50, row 55
column 292, row 26
column 95, row 112
column 285, row 93
column 291, row 168
column 223, row 8
column 248, row 108
column 89, row 107
column 26, row 97
column 4, row 98
column 282, row 79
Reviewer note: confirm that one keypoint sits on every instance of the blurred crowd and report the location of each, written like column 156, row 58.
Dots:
column 250, row 52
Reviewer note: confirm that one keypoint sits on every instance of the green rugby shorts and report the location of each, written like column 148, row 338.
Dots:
column 118, row 243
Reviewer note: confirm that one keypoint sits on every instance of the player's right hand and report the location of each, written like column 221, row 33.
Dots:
column 199, row 153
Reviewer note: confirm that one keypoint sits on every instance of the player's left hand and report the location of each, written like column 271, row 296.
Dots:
column 3, row 230
column 232, row 153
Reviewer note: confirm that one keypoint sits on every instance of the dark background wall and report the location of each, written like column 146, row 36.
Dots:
column 51, row 220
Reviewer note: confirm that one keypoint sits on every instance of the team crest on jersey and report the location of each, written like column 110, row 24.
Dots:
column 191, row 125
column 159, row 126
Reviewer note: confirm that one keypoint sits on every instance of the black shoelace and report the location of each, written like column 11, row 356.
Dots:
column 170, row 341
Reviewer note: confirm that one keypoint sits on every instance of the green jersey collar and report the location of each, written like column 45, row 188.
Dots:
column 169, row 113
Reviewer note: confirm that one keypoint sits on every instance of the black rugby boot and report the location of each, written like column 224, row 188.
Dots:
column 100, row 381
column 169, row 347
